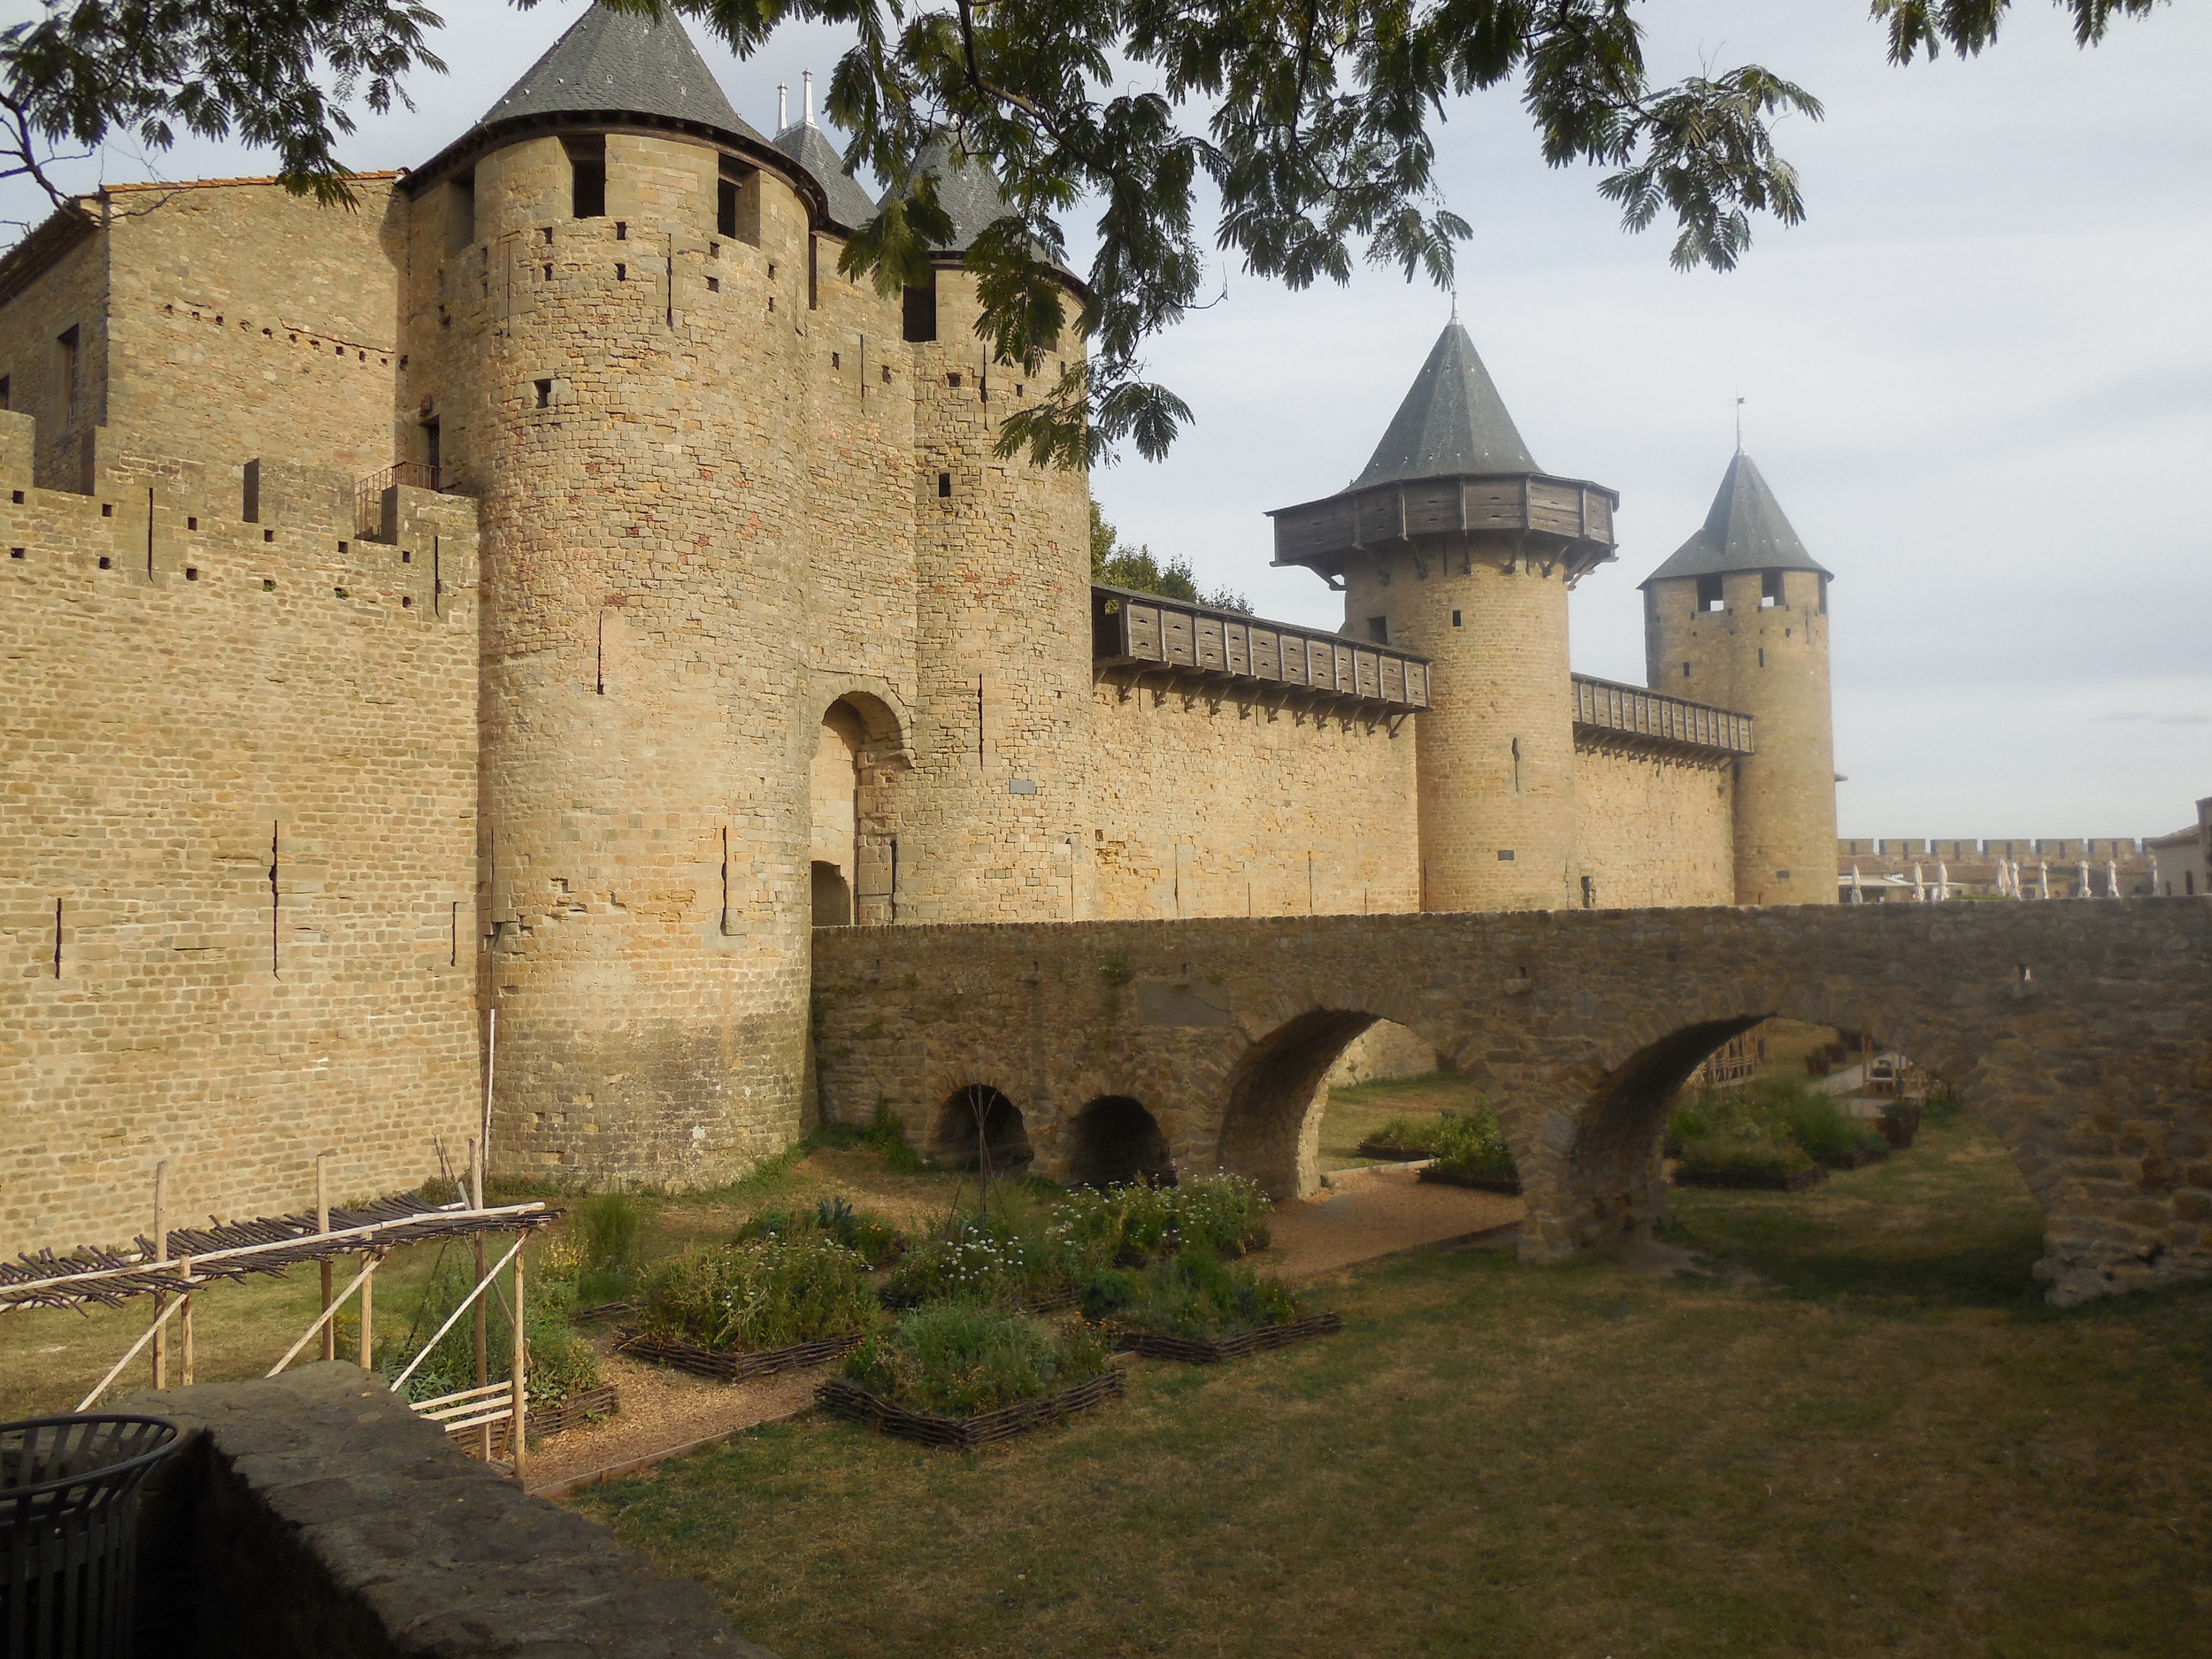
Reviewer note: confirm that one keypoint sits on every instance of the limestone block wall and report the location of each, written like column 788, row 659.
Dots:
column 1654, row 832
column 236, row 883
column 216, row 321
column 995, row 813
column 1206, row 804
column 53, row 283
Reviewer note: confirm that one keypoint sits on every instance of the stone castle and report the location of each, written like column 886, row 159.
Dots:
column 552, row 590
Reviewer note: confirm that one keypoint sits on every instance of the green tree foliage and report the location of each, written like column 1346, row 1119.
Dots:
column 1296, row 138
column 1120, row 565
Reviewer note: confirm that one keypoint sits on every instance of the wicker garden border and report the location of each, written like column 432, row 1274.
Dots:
column 1760, row 1180
column 1509, row 1185
column 1153, row 1345
column 850, row 1400
column 661, row 1349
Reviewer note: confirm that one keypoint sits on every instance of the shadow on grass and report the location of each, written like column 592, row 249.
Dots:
column 1949, row 1224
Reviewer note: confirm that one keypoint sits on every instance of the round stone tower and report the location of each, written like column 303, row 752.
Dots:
column 1738, row 616
column 997, row 809
column 604, row 279
column 1454, row 544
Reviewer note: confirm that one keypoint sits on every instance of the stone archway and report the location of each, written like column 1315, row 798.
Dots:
column 979, row 1125
column 1117, row 1140
column 851, row 779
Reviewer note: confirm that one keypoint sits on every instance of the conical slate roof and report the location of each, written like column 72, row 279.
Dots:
column 1452, row 421
column 624, row 62
column 807, row 144
column 1745, row 530
column 965, row 191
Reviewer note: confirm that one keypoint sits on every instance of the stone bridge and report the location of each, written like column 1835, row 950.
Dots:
column 2081, row 1032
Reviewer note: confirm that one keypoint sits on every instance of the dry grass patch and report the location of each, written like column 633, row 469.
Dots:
column 1918, row 1459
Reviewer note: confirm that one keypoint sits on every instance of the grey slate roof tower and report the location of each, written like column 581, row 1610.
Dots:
column 850, row 204
column 965, row 189
column 621, row 62
column 1452, row 420
column 1745, row 530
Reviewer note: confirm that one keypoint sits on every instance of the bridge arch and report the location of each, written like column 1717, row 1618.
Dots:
column 2082, row 1034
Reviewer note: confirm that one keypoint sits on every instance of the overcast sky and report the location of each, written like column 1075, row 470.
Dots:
column 1979, row 378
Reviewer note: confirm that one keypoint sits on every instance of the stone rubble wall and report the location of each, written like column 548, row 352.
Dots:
column 2082, row 1034
column 218, row 683
column 314, row 1513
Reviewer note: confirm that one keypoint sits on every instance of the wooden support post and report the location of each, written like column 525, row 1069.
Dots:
column 519, row 1390
column 161, row 1237
column 476, row 1318
column 368, row 1293
column 185, row 1359
column 322, row 1224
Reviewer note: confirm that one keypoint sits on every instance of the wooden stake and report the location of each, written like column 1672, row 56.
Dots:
column 161, row 1254
column 185, row 1359
column 476, row 1323
column 322, row 1224
column 517, row 1389
column 368, row 1293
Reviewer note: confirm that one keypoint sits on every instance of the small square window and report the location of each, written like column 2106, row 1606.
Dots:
column 106, row 563
column 15, row 552
column 714, row 286
column 194, row 523
column 268, row 586
column 1505, row 854
column 191, row 573
column 1379, row 630
column 268, row 535
column 953, row 380
column 107, row 510
column 545, row 394
column 944, row 483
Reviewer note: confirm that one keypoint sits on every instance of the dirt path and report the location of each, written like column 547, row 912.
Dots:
column 665, row 1413
column 1378, row 1212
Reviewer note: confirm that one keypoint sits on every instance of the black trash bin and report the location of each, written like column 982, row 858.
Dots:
column 69, row 1532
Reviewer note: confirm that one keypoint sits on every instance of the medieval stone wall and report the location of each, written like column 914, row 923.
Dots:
column 1654, row 832
column 237, row 873
column 1212, row 805
column 62, row 387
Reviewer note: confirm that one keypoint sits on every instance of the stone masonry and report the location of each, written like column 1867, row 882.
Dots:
column 2082, row 1034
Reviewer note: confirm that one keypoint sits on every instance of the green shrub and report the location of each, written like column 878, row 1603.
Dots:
column 1728, row 1155
column 762, row 1293
column 1472, row 1146
column 1192, row 1293
column 961, row 1358
column 602, row 1232
column 1134, row 1223
column 1012, row 1255
column 1407, row 1134
column 867, row 1234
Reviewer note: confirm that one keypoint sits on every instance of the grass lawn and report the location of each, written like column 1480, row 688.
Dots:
column 1883, row 1444
column 1355, row 1113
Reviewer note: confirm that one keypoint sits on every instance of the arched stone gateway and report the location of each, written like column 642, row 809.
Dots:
column 1117, row 1142
column 2081, row 1032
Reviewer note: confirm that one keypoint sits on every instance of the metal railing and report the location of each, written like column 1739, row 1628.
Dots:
column 368, row 493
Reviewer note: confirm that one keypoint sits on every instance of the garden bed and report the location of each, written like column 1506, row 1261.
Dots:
column 1509, row 1185
column 855, row 1403
column 1771, row 1180
column 1155, row 1345
column 1858, row 1158
column 727, row 1366
column 574, row 1412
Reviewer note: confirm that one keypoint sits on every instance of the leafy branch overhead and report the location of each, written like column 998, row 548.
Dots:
column 1293, row 138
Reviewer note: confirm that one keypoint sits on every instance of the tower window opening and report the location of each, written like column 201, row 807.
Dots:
column 67, row 346
column 547, row 232
column 1770, row 589
column 714, row 285
column 887, row 374
column 545, row 394
column 921, row 310
column 1824, row 596
column 1379, row 630
column 588, row 177
column 549, row 273
column 836, row 361
column 813, row 272
column 1505, row 854
column 1456, row 619
column 460, row 212
column 1762, row 657
column 1686, row 671
column 621, row 272
column 621, row 230
column 725, row 208
column 3, row 392
column 430, row 446
column 1516, row 766
column 736, row 203
column 944, row 483
column 953, row 380
column 1709, row 594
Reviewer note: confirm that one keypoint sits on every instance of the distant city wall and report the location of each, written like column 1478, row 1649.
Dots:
column 237, row 882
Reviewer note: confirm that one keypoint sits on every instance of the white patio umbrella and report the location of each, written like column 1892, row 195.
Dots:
column 2084, row 881
column 1919, row 887
column 2112, row 878
column 2014, row 877
column 2043, row 879
column 1943, row 881
column 1857, row 895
